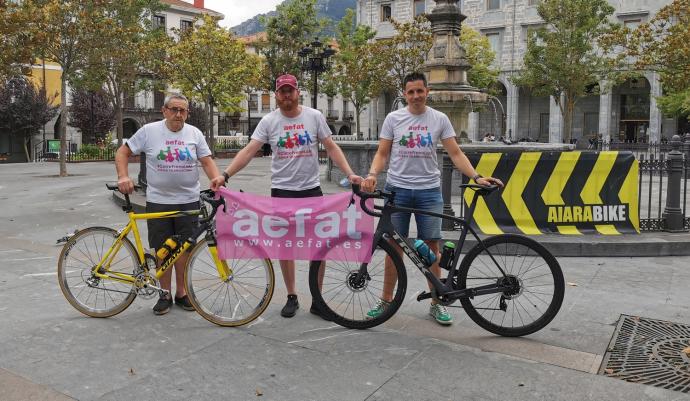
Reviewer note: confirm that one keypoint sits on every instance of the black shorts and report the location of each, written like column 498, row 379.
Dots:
column 162, row 229
column 305, row 193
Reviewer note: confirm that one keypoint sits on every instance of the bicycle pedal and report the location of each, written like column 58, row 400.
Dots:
column 424, row 295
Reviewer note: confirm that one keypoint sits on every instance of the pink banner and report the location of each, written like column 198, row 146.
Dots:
column 320, row 228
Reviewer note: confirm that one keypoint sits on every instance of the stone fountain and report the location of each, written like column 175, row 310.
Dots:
column 446, row 68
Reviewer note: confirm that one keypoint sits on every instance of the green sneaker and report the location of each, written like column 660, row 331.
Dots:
column 380, row 307
column 440, row 313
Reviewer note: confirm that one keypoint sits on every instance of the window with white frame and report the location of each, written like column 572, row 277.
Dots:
column 185, row 25
column 419, row 7
column 493, row 4
column 386, row 12
column 159, row 22
column 494, row 39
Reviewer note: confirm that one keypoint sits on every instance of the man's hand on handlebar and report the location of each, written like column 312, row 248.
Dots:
column 125, row 185
column 217, row 182
column 487, row 181
column 369, row 183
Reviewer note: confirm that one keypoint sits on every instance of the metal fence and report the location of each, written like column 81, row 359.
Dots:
column 47, row 151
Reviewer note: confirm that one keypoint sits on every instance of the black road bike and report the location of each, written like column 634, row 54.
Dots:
column 508, row 284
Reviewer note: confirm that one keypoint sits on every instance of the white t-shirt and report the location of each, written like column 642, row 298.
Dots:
column 172, row 175
column 413, row 162
column 294, row 141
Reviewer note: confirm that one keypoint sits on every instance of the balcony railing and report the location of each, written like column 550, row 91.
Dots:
column 348, row 115
column 333, row 114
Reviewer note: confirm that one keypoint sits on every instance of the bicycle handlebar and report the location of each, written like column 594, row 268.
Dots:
column 378, row 194
column 363, row 196
column 209, row 196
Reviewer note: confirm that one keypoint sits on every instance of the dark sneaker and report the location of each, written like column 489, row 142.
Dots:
column 315, row 310
column 162, row 306
column 184, row 303
column 290, row 307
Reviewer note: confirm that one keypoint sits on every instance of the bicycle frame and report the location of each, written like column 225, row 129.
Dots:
column 385, row 230
column 104, row 272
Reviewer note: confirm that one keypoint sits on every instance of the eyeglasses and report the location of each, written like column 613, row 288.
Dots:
column 176, row 110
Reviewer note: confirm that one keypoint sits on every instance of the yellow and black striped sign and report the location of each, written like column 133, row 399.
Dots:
column 559, row 192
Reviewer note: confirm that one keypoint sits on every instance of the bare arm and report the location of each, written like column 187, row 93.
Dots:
column 378, row 164
column 336, row 154
column 241, row 159
column 211, row 170
column 124, row 183
column 463, row 164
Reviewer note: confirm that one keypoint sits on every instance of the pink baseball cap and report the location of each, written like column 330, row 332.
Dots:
column 286, row 79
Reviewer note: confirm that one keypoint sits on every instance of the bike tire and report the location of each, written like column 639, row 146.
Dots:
column 541, row 288
column 80, row 254
column 236, row 301
column 347, row 303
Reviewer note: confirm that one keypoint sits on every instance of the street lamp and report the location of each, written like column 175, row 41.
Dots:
column 315, row 58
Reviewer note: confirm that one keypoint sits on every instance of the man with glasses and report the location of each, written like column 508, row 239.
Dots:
column 293, row 132
column 173, row 150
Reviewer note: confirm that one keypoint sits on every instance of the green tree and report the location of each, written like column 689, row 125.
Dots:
column 358, row 70
column 127, row 54
column 212, row 66
column 663, row 45
column 24, row 109
column 480, row 56
column 64, row 25
column 20, row 38
column 563, row 58
column 295, row 25
column 91, row 112
column 405, row 52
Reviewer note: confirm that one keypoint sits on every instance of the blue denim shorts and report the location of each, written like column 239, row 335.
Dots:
column 428, row 200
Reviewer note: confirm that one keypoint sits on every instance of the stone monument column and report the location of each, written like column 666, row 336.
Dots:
column 446, row 68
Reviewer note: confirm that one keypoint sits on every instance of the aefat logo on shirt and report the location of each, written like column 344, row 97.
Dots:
column 171, row 155
column 295, row 140
column 416, row 137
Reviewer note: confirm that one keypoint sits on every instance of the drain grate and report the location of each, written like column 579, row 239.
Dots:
column 649, row 351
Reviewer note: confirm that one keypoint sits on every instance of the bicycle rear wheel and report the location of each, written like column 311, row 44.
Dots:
column 534, row 273
column 91, row 295
column 233, row 302
column 348, row 300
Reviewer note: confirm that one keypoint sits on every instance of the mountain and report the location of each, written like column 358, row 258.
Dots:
column 332, row 9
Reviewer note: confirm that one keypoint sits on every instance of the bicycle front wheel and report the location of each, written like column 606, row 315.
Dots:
column 353, row 300
column 531, row 271
column 235, row 301
column 91, row 295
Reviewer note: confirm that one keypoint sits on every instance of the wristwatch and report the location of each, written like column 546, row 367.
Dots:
column 476, row 177
column 226, row 175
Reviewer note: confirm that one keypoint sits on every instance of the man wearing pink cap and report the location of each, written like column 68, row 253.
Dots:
column 293, row 131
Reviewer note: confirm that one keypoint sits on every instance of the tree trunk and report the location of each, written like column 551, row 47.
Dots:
column 568, row 107
column 26, row 149
column 63, row 126
column 120, row 126
column 358, row 111
column 212, row 138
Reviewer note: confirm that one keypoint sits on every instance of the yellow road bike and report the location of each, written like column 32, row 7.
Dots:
column 101, row 271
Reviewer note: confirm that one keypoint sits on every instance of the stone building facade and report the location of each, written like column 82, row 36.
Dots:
column 625, row 112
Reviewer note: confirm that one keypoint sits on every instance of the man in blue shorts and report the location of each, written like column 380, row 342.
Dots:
column 409, row 138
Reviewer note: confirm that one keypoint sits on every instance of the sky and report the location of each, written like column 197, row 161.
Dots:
column 238, row 11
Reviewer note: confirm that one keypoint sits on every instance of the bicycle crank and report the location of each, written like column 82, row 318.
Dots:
column 146, row 285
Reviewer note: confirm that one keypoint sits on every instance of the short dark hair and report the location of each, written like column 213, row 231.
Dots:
column 414, row 76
